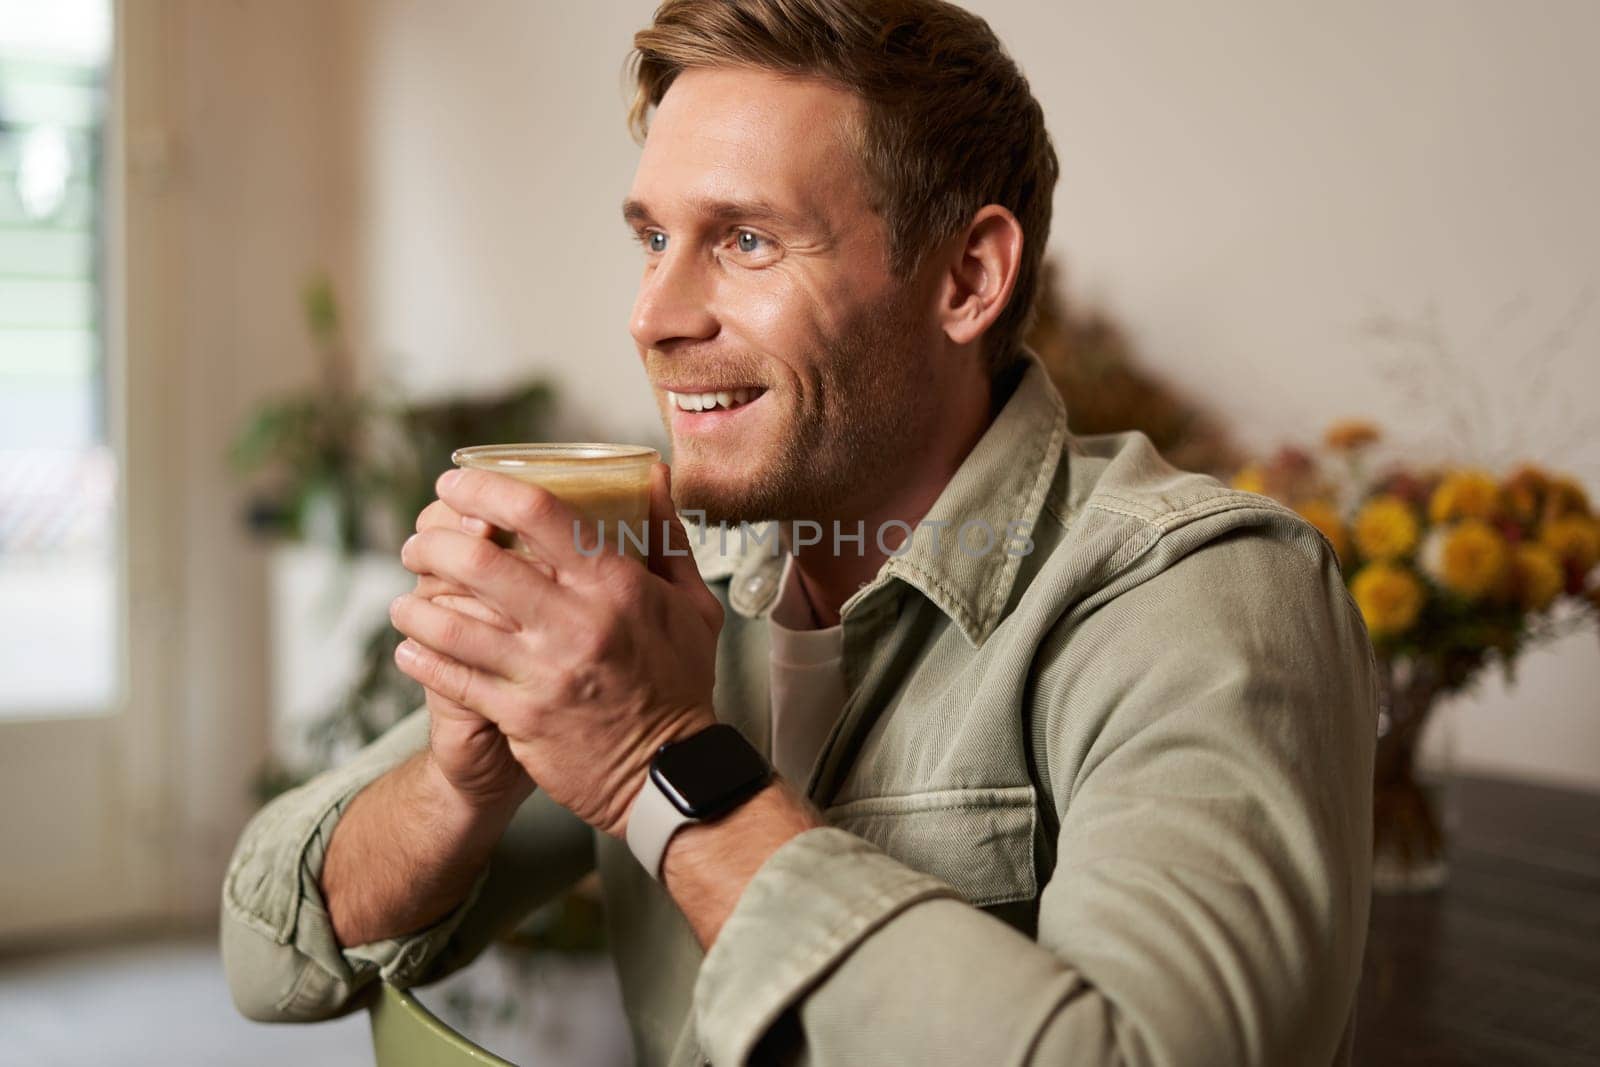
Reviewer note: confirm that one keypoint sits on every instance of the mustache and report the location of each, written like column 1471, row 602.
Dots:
column 690, row 371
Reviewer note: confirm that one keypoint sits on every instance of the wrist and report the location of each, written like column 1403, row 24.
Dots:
column 464, row 815
column 707, row 865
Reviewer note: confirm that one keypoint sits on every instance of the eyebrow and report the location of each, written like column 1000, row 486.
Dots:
column 636, row 213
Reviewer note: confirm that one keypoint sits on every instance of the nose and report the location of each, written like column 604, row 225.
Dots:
column 673, row 304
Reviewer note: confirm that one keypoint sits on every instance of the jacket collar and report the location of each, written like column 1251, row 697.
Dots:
column 997, row 493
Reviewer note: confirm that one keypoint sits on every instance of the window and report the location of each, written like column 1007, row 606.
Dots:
column 59, row 579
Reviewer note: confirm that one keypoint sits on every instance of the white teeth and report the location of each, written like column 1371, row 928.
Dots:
column 706, row 401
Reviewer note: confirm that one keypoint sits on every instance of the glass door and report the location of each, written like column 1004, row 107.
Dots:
column 74, row 836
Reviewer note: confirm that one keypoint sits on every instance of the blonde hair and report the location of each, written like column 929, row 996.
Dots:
column 950, row 122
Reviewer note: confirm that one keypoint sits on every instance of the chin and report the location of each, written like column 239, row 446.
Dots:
column 724, row 495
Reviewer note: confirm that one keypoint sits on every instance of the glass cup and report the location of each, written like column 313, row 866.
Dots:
column 607, row 485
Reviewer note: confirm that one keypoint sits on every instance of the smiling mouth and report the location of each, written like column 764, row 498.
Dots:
column 713, row 400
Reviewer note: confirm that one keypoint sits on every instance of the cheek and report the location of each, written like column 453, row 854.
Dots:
column 774, row 312
column 788, row 315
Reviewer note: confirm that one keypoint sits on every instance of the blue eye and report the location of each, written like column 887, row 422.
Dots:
column 656, row 242
column 747, row 241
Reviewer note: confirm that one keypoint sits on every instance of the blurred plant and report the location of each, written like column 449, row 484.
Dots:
column 351, row 469
column 1453, row 569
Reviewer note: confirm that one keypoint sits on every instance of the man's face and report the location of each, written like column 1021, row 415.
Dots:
column 767, row 291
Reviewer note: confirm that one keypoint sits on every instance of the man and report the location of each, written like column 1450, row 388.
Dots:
column 1073, row 749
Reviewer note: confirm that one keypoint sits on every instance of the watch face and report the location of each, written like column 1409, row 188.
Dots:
column 710, row 772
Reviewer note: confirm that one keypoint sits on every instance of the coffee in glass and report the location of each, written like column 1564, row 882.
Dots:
column 608, row 486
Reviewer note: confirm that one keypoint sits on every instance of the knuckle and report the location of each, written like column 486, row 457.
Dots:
column 606, row 639
column 533, row 507
column 626, row 580
column 482, row 555
column 453, row 681
column 452, row 630
column 582, row 684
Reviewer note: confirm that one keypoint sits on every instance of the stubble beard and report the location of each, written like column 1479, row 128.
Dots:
column 843, row 448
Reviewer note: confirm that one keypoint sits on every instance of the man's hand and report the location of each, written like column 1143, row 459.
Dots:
column 467, row 749
column 589, row 664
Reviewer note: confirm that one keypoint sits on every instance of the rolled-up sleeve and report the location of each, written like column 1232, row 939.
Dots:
column 1211, row 731
column 282, row 960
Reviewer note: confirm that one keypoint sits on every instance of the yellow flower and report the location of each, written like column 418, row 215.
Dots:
column 1347, row 435
column 1251, row 479
column 1389, row 597
column 1468, row 558
column 1574, row 539
column 1386, row 528
column 1464, row 494
column 1325, row 517
column 1523, row 493
column 1536, row 575
column 1564, row 497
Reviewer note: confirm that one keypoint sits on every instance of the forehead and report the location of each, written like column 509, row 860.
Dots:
column 751, row 135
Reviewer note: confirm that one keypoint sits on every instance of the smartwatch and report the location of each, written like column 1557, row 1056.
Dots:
column 695, row 779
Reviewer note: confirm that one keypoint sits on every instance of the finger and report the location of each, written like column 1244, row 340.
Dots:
column 430, row 586
column 675, row 562
column 435, row 515
column 477, row 609
column 544, row 523
column 450, row 679
column 461, row 637
column 506, row 582
column 459, row 598
column 441, row 707
column 439, row 515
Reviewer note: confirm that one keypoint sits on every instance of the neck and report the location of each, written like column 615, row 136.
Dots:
column 830, row 578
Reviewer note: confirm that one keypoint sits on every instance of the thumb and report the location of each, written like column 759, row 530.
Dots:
column 671, row 557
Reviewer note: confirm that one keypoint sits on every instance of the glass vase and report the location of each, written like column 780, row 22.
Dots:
column 1409, row 840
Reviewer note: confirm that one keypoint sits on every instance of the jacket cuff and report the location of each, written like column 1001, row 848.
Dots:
column 811, row 903
column 400, row 961
column 282, row 958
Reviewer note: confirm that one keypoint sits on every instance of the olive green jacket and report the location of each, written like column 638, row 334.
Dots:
column 1104, row 802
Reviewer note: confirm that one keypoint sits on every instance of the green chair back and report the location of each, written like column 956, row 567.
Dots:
column 406, row 1034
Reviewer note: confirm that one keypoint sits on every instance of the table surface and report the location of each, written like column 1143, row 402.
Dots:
column 1501, row 966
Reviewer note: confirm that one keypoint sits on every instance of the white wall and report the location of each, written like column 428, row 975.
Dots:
column 491, row 160
column 252, row 189
column 1244, row 183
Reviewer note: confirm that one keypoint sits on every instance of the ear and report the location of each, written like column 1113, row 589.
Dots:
column 981, row 274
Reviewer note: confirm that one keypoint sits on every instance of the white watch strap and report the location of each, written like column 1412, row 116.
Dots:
column 652, row 821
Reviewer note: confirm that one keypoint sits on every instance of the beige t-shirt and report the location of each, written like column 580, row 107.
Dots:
column 807, row 680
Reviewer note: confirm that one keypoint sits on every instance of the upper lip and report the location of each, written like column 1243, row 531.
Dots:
column 710, row 388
